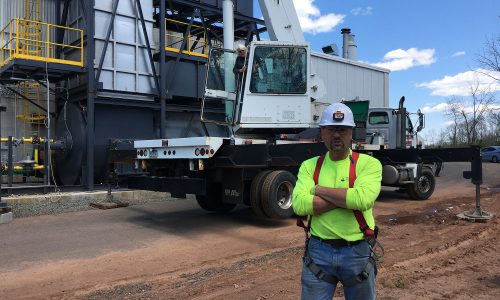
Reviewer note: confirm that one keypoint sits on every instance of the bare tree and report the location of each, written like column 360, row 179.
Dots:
column 453, row 113
column 489, row 58
column 469, row 116
column 482, row 100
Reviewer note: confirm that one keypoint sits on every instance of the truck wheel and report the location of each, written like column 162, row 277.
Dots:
column 277, row 194
column 212, row 201
column 423, row 187
column 255, row 193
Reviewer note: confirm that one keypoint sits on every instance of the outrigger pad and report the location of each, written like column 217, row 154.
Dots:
column 108, row 205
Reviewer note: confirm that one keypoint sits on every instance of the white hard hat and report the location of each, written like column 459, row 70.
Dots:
column 337, row 114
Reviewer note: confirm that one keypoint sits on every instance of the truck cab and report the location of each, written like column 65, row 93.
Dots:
column 382, row 126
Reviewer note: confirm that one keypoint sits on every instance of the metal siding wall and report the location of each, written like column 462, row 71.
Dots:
column 10, row 9
column 11, row 126
column 126, row 64
column 343, row 80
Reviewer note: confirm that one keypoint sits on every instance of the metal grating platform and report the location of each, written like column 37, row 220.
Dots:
column 22, row 69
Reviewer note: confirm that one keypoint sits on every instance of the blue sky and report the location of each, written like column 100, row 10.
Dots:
column 430, row 46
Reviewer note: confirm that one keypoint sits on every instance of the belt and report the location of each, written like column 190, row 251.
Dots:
column 337, row 243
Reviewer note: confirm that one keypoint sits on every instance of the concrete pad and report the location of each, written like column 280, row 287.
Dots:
column 5, row 218
column 55, row 203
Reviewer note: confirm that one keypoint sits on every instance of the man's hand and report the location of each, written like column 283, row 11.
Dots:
column 243, row 69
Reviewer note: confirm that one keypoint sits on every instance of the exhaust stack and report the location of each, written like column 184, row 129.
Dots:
column 349, row 46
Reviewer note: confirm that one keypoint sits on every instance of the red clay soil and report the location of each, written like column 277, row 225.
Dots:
column 429, row 254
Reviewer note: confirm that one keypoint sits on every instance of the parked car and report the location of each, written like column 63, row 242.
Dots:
column 491, row 153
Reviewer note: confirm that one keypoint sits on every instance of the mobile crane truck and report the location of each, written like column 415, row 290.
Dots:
column 272, row 115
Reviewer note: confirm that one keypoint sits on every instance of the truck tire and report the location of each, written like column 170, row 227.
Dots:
column 255, row 193
column 423, row 187
column 276, row 194
column 212, row 201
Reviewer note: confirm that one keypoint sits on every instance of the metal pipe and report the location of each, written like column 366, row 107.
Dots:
column 345, row 38
column 228, row 21
column 402, row 116
column 10, row 163
column 26, row 140
column 21, row 168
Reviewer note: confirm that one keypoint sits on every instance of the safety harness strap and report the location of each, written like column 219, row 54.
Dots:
column 318, row 272
column 365, row 229
column 361, row 276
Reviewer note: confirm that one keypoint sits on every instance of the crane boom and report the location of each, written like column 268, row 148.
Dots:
column 281, row 21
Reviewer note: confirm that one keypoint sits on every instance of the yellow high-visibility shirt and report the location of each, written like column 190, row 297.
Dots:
column 339, row 223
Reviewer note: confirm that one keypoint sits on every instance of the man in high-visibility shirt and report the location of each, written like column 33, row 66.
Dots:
column 337, row 249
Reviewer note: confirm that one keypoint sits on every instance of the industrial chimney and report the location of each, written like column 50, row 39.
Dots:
column 349, row 44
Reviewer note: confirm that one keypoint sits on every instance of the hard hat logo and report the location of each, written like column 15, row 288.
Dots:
column 338, row 116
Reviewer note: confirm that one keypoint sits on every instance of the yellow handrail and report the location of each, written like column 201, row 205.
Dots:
column 177, row 38
column 15, row 41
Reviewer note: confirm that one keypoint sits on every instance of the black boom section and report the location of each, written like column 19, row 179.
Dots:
column 177, row 186
column 266, row 155
column 440, row 155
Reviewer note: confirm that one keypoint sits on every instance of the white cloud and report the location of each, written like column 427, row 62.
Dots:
column 459, row 84
column 360, row 11
column 312, row 21
column 397, row 60
column 492, row 107
column 435, row 108
column 448, row 123
column 459, row 53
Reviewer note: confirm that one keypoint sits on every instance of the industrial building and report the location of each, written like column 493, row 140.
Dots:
column 127, row 87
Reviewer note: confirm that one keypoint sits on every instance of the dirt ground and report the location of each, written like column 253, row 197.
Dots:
column 429, row 254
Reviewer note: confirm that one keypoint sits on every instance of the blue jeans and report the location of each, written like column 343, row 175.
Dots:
column 344, row 263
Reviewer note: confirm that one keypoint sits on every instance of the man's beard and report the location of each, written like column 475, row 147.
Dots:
column 338, row 148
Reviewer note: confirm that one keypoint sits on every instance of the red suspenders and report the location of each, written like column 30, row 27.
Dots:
column 352, row 177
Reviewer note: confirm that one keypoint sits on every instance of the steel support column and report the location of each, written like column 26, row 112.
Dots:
column 163, row 117
column 91, row 90
column 2, row 204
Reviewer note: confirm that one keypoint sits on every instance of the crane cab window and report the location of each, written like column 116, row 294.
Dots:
column 378, row 117
column 279, row 70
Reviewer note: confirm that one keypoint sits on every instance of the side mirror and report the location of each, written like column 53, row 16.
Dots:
column 421, row 121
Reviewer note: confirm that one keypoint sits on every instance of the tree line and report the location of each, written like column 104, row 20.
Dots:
column 475, row 119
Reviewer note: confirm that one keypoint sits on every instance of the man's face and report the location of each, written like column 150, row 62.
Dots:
column 337, row 138
column 242, row 53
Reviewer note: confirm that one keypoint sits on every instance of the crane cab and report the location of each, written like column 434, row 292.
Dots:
column 271, row 96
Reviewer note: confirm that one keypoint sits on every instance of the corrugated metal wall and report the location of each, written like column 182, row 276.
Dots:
column 340, row 79
column 126, row 64
column 10, row 9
